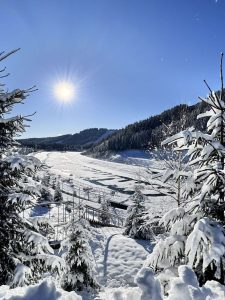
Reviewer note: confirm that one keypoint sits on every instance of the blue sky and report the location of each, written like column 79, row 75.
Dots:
column 129, row 58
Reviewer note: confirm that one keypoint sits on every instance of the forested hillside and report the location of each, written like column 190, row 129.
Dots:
column 77, row 141
column 151, row 132
column 144, row 134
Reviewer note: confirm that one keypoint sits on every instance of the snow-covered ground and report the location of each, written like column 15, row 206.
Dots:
column 45, row 290
column 118, row 258
column 107, row 177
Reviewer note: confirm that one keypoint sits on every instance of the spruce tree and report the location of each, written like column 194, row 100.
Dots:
column 24, row 253
column 78, row 256
column 137, row 223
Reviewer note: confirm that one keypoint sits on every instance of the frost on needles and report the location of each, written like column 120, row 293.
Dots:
column 195, row 230
column 25, row 253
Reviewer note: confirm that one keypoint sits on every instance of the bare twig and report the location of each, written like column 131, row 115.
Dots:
column 221, row 75
column 207, row 86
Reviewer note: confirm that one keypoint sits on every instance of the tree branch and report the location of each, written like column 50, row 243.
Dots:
column 7, row 54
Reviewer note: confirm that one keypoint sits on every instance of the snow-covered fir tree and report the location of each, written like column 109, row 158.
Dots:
column 24, row 253
column 137, row 223
column 43, row 225
column 196, row 234
column 79, row 274
column 58, row 197
column 46, row 195
column 46, row 180
column 105, row 214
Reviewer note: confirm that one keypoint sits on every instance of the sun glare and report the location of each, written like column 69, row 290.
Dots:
column 64, row 91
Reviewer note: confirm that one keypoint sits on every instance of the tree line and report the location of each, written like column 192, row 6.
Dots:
column 151, row 132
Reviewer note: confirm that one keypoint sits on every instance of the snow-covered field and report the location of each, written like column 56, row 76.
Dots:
column 108, row 176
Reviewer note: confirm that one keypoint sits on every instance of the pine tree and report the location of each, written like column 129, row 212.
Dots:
column 78, row 257
column 24, row 253
column 196, row 234
column 137, row 223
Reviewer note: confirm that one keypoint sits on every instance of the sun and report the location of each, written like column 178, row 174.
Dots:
column 64, row 91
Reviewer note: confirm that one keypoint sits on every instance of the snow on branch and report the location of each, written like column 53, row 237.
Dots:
column 206, row 243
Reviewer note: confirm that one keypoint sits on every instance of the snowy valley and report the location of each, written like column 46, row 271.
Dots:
column 135, row 212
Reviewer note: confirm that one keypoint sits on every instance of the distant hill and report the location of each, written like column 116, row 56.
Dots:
column 77, row 142
column 142, row 135
column 149, row 133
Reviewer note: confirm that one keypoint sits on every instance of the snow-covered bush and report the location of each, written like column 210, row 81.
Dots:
column 24, row 253
column 78, row 256
column 137, row 223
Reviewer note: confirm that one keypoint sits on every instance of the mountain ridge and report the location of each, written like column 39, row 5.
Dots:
column 141, row 135
column 72, row 142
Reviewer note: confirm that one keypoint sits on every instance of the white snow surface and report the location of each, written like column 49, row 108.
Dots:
column 106, row 176
column 184, row 287
column 118, row 258
column 45, row 290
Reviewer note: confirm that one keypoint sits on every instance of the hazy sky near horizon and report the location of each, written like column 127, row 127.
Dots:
column 128, row 59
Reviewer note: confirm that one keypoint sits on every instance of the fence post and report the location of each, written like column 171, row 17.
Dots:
column 58, row 224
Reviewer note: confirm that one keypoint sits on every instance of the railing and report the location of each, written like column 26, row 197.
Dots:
column 92, row 214
column 98, row 216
